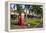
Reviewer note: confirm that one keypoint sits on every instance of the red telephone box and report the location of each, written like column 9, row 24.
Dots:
column 21, row 19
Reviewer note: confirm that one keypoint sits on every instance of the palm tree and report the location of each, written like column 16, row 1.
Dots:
column 27, row 9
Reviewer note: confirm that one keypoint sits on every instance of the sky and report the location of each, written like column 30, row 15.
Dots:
column 13, row 6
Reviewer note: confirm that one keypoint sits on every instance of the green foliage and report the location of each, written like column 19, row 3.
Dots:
column 37, row 9
column 19, row 8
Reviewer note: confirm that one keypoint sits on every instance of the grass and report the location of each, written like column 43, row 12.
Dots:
column 33, row 21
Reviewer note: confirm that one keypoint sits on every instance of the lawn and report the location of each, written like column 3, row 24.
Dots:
column 33, row 21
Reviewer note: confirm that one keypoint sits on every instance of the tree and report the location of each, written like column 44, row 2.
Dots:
column 37, row 9
column 27, row 8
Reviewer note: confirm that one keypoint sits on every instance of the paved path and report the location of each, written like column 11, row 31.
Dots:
column 18, row 27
